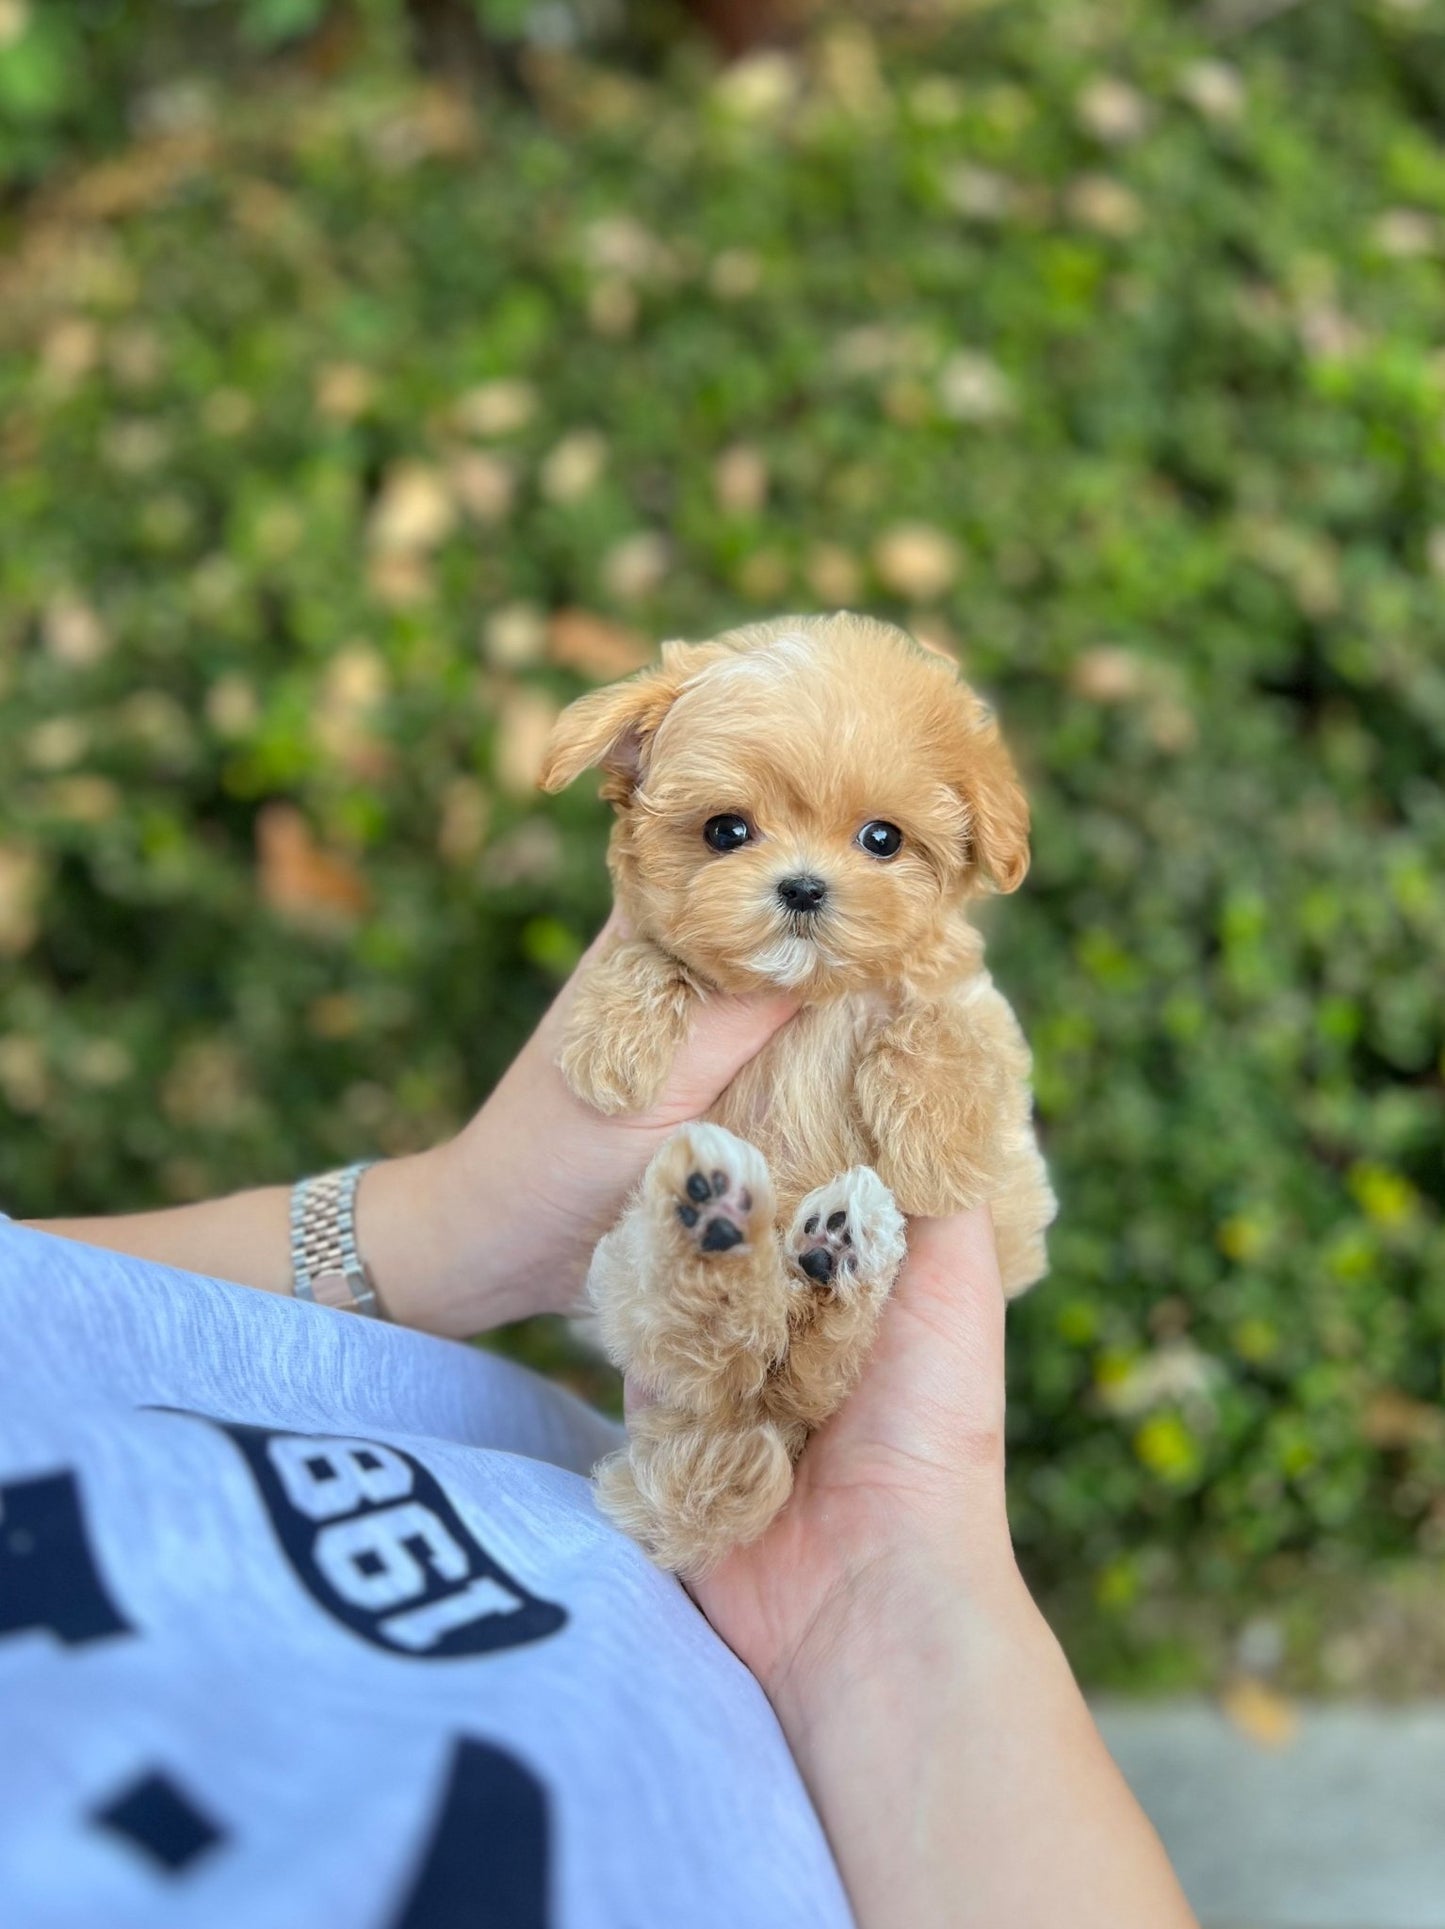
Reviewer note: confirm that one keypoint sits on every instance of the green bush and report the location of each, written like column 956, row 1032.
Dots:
column 75, row 78
column 348, row 424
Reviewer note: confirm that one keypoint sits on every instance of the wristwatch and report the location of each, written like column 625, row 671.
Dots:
column 326, row 1267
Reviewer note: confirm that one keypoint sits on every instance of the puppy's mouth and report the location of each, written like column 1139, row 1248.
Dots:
column 797, row 953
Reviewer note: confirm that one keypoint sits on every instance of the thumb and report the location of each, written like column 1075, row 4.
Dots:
column 726, row 1032
column 932, row 1391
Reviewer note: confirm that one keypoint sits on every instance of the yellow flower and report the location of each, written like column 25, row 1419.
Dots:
column 1168, row 1448
column 1386, row 1198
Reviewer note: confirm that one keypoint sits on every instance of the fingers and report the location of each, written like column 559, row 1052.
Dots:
column 726, row 1033
column 614, row 926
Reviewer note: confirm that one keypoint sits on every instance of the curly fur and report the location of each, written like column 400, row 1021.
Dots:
column 901, row 1087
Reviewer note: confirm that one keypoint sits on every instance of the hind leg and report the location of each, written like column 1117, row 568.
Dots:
column 690, row 1292
column 690, row 1490
column 846, row 1243
column 693, row 1303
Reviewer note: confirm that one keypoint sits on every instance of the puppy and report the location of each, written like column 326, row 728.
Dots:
column 809, row 802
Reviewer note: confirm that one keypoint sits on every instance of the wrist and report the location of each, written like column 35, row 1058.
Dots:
column 516, row 1197
column 898, row 1623
column 456, row 1245
column 915, row 1675
column 1002, row 1804
column 418, row 1234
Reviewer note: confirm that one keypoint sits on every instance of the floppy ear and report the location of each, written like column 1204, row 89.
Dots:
column 615, row 727
column 998, row 810
column 610, row 727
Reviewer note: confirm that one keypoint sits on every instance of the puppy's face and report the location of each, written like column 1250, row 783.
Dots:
column 800, row 803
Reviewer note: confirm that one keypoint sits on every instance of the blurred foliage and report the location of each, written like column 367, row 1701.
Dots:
column 76, row 75
column 351, row 422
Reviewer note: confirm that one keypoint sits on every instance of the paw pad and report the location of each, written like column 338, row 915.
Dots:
column 711, row 1188
column 713, row 1203
column 825, row 1252
column 847, row 1227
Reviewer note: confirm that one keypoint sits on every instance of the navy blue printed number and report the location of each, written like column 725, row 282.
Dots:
column 48, row 1575
column 374, row 1539
column 487, row 1858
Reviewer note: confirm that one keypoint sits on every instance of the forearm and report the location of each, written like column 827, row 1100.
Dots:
column 959, row 1774
column 420, row 1228
column 244, row 1237
column 496, row 1224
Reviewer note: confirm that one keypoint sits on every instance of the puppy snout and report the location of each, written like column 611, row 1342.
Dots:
column 802, row 894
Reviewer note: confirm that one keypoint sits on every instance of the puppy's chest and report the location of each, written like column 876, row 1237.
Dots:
column 796, row 1101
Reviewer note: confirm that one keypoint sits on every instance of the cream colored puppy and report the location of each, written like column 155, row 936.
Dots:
column 810, row 802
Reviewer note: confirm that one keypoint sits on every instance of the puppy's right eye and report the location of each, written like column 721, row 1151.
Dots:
column 726, row 833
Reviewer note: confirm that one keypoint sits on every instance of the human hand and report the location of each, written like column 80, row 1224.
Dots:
column 902, row 1491
column 953, row 1761
column 500, row 1222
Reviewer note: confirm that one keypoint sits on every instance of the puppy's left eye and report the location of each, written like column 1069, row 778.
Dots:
column 880, row 839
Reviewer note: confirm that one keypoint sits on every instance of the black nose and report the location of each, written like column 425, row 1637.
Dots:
column 802, row 893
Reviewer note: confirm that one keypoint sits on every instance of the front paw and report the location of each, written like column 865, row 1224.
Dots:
column 630, row 1012
column 940, row 1143
column 847, row 1236
column 615, row 1066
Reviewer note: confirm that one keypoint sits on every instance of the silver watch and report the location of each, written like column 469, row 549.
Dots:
column 326, row 1267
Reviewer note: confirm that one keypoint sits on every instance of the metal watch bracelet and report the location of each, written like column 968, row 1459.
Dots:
column 326, row 1267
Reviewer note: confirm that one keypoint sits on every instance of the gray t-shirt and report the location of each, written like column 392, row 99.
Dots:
column 307, row 1622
